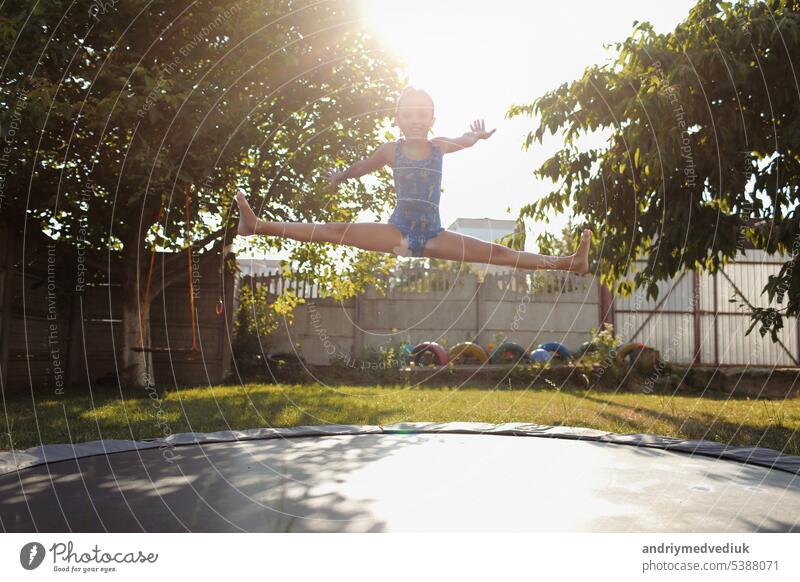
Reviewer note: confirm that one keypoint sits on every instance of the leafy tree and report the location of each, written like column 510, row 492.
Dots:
column 561, row 245
column 701, row 157
column 516, row 239
column 121, row 109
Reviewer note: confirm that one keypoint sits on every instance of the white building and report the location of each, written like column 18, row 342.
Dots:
column 255, row 267
column 487, row 229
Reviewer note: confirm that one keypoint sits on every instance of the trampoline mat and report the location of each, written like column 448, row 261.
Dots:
column 373, row 481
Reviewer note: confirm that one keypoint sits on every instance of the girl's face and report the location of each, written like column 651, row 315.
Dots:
column 415, row 117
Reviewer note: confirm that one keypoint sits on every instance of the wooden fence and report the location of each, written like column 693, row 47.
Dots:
column 60, row 326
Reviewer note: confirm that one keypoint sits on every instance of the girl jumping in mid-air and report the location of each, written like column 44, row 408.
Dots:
column 414, row 228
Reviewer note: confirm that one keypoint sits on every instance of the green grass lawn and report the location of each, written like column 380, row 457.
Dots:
column 29, row 421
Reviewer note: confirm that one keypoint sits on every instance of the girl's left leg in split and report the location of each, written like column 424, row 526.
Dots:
column 454, row 246
column 369, row 236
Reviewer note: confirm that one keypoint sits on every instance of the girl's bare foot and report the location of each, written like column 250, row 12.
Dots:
column 580, row 260
column 247, row 218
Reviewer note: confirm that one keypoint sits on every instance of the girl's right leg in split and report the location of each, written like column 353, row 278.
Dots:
column 369, row 236
column 454, row 246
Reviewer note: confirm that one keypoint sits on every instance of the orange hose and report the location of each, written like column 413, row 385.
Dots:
column 191, row 282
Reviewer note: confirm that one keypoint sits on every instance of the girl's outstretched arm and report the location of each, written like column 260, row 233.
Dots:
column 469, row 139
column 380, row 158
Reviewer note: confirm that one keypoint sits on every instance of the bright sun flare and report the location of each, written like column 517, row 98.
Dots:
column 446, row 45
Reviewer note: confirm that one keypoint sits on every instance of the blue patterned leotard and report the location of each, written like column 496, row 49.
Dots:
column 418, row 186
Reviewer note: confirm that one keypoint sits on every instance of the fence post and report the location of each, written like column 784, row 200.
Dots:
column 73, row 372
column 716, row 321
column 797, row 332
column 478, row 307
column 358, row 336
column 5, row 323
column 696, row 316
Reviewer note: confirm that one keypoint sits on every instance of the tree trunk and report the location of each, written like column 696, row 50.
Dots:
column 137, row 299
column 137, row 366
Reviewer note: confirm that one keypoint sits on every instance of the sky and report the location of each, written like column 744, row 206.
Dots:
column 477, row 58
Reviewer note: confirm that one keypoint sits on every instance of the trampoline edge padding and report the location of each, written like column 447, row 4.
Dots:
column 16, row 460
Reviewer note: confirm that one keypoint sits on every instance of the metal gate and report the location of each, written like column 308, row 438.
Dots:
column 693, row 321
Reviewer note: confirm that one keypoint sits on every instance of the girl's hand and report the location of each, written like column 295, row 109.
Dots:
column 334, row 178
column 479, row 129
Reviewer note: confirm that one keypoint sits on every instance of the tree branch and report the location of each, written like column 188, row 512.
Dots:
column 175, row 259
column 164, row 275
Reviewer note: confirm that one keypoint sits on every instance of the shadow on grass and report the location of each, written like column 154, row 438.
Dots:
column 77, row 420
column 204, row 409
column 706, row 426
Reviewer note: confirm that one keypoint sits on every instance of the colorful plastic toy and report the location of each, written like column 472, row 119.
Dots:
column 428, row 353
column 540, row 355
column 556, row 348
column 468, row 353
column 584, row 348
column 629, row 352
column 404, row 352
column 508, row 353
